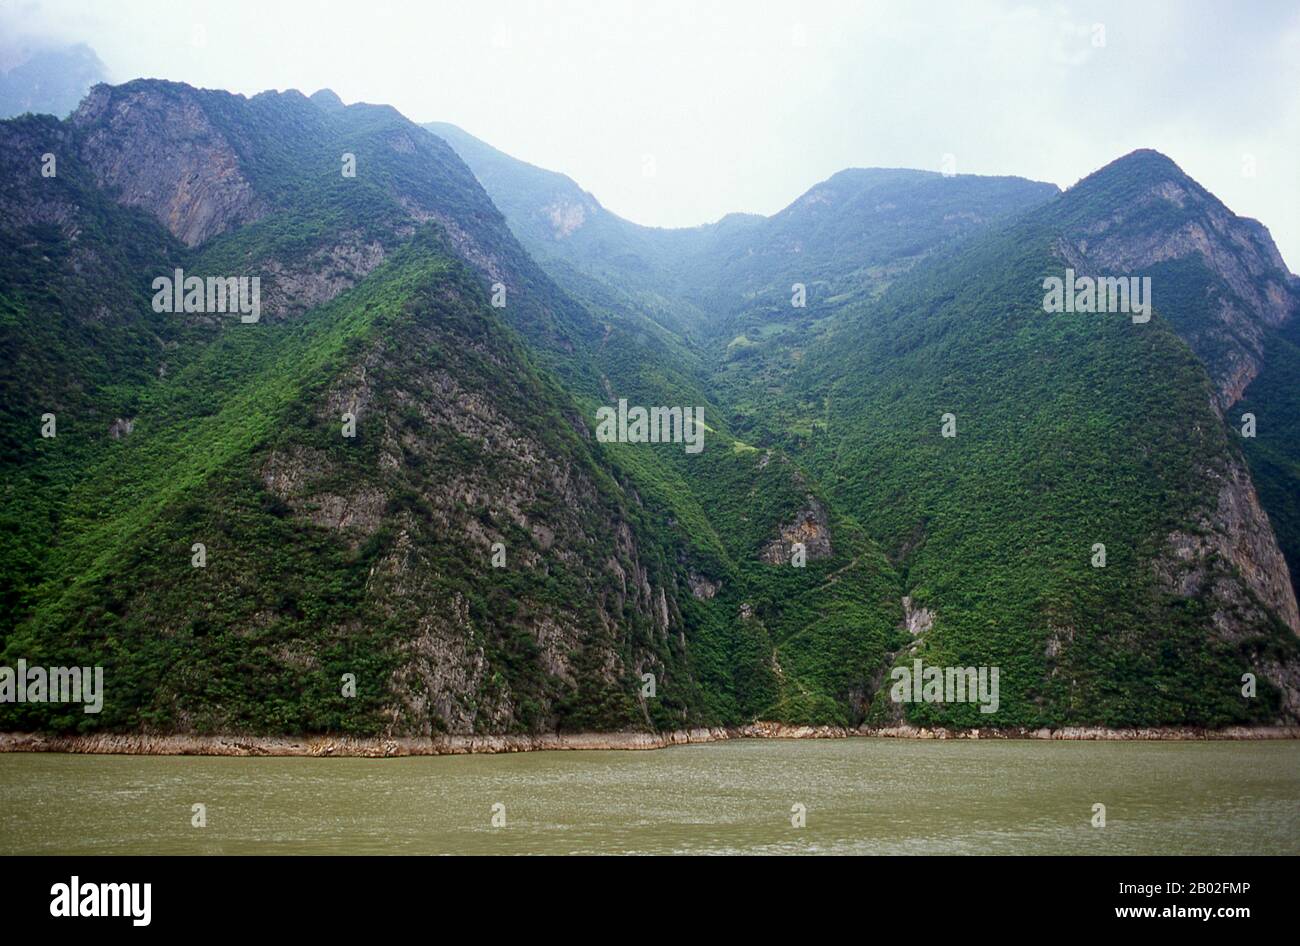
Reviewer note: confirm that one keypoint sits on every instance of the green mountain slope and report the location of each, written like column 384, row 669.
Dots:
column 815, row 644
column 368, row 555
column 371, row 555
column 725, row 291
column 1074, row 430
column 326, row 554
column 392, row 479
column 1273, row 397
column 1225, row 290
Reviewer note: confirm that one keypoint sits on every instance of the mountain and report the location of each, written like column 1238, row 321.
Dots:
column 381, row 501
column 552, row 216
column 325, row 554
column 1075, row 432
column 1227, row 293
column 44, row 78
column 1221, row 278
column 370, row 555
column 842, row 238
column 725, row 290
column 740, row 509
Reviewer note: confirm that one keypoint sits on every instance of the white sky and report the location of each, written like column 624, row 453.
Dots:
column 745, row 105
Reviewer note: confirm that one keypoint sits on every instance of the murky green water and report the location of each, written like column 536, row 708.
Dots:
column 871, row 796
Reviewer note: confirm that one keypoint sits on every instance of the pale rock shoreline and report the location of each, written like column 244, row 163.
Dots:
column 323, row 746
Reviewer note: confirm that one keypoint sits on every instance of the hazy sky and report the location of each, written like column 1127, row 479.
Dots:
column 744, row 106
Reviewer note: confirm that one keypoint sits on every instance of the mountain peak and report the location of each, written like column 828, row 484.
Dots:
column 1143, row 214
column 327, row 99
column 1147, row 155
column 1144, row 164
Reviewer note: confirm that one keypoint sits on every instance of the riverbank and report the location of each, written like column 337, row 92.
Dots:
column 323, row 746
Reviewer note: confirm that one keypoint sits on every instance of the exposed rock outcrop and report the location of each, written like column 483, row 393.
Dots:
column 164, row 155
column 565, row 217
column 917, row 620
column 1237, row 531
column 702, row 588
column 810, row 527
column 291, row 290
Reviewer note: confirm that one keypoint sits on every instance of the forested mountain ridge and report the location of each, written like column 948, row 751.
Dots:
column 725, row 290
column 843, row 238
column 467, row 550
column 1223, row 285
column 1077, row 433
column 379, row 505
column 1072, row 415
column 324, row 553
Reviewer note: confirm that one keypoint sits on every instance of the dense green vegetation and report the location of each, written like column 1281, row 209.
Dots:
column 98, row 531
column 372, row 554
column 1070, row 430
column 1073, row 430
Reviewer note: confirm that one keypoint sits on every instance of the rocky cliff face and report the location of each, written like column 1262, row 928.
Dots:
column 518, row 495
column 163, row 154
column 1235, row 533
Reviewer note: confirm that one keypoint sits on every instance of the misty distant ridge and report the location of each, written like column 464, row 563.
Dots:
column 45, row 78
column 1149, row 160
column 463, row 141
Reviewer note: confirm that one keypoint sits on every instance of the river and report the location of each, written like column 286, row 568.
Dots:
column 859, row 796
